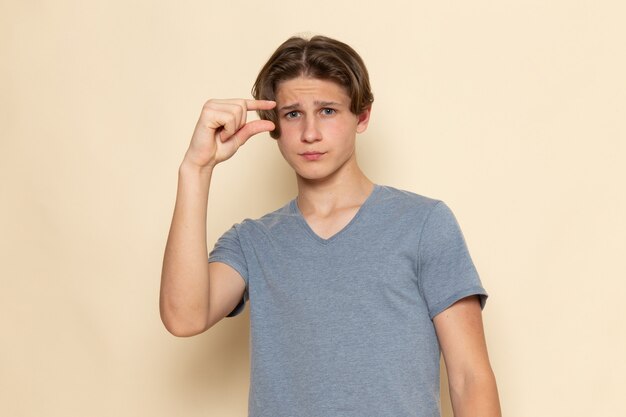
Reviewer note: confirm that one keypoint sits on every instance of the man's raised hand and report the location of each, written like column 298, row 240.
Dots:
column 222, row 129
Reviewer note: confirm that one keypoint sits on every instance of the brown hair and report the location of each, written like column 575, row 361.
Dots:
column 319, row 57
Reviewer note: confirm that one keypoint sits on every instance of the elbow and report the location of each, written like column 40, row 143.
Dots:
column 475, row 394
column 182, row 325
column 183, row 329
column 179, row 332
column 463, row 382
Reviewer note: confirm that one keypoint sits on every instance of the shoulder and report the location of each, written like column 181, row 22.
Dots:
column 270, row 221
column 402, row 201
column 428, row 216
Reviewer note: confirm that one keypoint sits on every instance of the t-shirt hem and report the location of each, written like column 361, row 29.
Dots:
column 442, row 305
column 236, row 266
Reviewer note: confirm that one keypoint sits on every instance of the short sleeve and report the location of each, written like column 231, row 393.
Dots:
column 228, row 250
column 446, row 272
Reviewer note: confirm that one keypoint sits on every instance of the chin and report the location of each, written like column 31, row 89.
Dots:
column 315, row 175
column 309, row 176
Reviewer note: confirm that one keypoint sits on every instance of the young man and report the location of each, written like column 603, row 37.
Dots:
column 353, row 287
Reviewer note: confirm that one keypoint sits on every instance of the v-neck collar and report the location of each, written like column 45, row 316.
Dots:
column 296, row 210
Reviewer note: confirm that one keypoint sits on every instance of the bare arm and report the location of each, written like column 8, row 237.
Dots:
column 196, row 294
column 472, row 384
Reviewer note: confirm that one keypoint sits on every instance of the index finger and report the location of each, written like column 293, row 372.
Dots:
column 260, row 104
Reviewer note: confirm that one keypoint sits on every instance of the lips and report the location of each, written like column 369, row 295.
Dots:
column 312, row 155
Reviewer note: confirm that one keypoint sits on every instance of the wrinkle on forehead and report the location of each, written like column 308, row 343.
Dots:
column 316, row 103
column 306, row 89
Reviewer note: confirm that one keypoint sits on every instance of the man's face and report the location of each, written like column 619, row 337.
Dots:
column 318, row 130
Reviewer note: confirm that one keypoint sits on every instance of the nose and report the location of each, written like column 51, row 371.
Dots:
column 311, row 132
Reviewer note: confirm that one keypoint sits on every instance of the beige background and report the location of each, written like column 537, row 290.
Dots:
column 511, row 112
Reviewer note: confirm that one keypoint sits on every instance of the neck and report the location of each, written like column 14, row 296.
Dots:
column 337, row 192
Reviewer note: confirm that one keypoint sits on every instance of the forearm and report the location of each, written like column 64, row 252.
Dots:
column 184, row 300
column 475, row 395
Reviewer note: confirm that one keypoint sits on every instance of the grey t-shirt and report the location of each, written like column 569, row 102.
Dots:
column 342, row 327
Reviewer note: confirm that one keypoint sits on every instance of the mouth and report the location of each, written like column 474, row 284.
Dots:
column 312, row 155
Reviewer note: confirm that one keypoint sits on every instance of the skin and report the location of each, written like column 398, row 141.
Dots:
column 314, row 116
column 195, row 294
column 318, row 137
column 472, row 383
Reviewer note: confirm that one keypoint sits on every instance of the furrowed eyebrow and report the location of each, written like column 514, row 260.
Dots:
column 326, row 103
column 289, row 107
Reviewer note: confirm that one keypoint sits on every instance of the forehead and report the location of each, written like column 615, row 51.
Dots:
column 304, row 89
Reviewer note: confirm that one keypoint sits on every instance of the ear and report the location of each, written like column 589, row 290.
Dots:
column 363, row 120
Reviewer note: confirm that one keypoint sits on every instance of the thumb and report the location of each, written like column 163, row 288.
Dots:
column 253, row 128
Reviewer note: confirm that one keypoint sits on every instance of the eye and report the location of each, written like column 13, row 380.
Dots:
column 328, row 112
column 292, row 114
